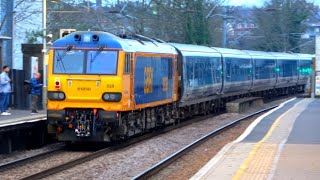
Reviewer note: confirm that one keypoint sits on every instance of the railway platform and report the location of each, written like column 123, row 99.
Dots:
column 283, row 143
column 21, row 130
column 21, row 116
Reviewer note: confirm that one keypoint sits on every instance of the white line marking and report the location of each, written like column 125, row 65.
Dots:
column 205, row 169
column 22, row 122
column 276, row 160
column 257, row 121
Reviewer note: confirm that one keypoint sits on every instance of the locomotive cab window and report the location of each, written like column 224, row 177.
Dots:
column 68, row 61
column 102, row 62
column 85, row 62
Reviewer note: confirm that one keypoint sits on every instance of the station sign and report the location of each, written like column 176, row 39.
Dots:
column 34, row 66
column 317, row 88
column 65, row 32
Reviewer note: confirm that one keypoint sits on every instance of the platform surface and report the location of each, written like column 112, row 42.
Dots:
column 21, row 116
column 284, row 143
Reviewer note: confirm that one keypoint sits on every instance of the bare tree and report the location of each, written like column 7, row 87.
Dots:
column 281, row 28
column 181, row 21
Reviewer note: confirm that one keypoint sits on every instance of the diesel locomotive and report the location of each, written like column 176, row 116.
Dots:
column 103, row 87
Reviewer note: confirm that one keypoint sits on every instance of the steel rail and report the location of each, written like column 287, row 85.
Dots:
column 26, row 160
column 135, row 140
column 105, row 151
column 165, row 162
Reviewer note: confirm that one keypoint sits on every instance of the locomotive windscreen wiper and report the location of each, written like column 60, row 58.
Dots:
column 96, row 54
column 60, row 57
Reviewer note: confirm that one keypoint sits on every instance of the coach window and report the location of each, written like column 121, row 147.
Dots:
column 189, row 71
column 228, row 69
column 305, row 67
column 170, row 67
column 127, row 63
column 265, row 68
column 294, row 65
column 209, row 72
column 289, row 68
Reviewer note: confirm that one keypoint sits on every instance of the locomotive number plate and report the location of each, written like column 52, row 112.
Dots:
column 110, row 86
column 84, row 89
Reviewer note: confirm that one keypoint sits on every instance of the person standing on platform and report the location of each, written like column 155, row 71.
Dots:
column 6, row 90
column 35, row 92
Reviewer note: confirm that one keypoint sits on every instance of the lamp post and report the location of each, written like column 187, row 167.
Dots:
column 44, row 53
column 225, row 17
column 44, row 49
column 224, row 27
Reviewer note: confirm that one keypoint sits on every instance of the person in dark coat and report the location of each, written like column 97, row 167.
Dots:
column 35, row 92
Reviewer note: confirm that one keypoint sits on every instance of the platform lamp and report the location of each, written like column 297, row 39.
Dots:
column 44, row 53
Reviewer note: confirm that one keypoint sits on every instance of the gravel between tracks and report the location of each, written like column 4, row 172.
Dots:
column 41, row 165
column 189, row 164
column 130, row 161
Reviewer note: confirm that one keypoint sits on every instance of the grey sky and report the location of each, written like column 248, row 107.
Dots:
column 258, row 3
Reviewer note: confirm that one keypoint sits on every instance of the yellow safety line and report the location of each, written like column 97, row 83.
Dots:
column 244, row 166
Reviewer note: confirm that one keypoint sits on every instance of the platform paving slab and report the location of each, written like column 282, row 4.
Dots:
column 289, row 149
column 21, row 116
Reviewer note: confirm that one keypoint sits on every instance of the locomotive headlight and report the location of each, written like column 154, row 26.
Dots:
column 111, row 97
column 56, row 96
column 106, row 97
column 61, row 95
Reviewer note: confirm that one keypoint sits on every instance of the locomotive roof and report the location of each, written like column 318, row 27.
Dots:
column 111, row 41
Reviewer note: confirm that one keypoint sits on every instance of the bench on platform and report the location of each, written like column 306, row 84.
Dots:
column 242, row 105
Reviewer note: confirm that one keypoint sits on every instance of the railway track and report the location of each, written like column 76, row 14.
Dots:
column 167, row 161
column 101, row 152
column 26, row 160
